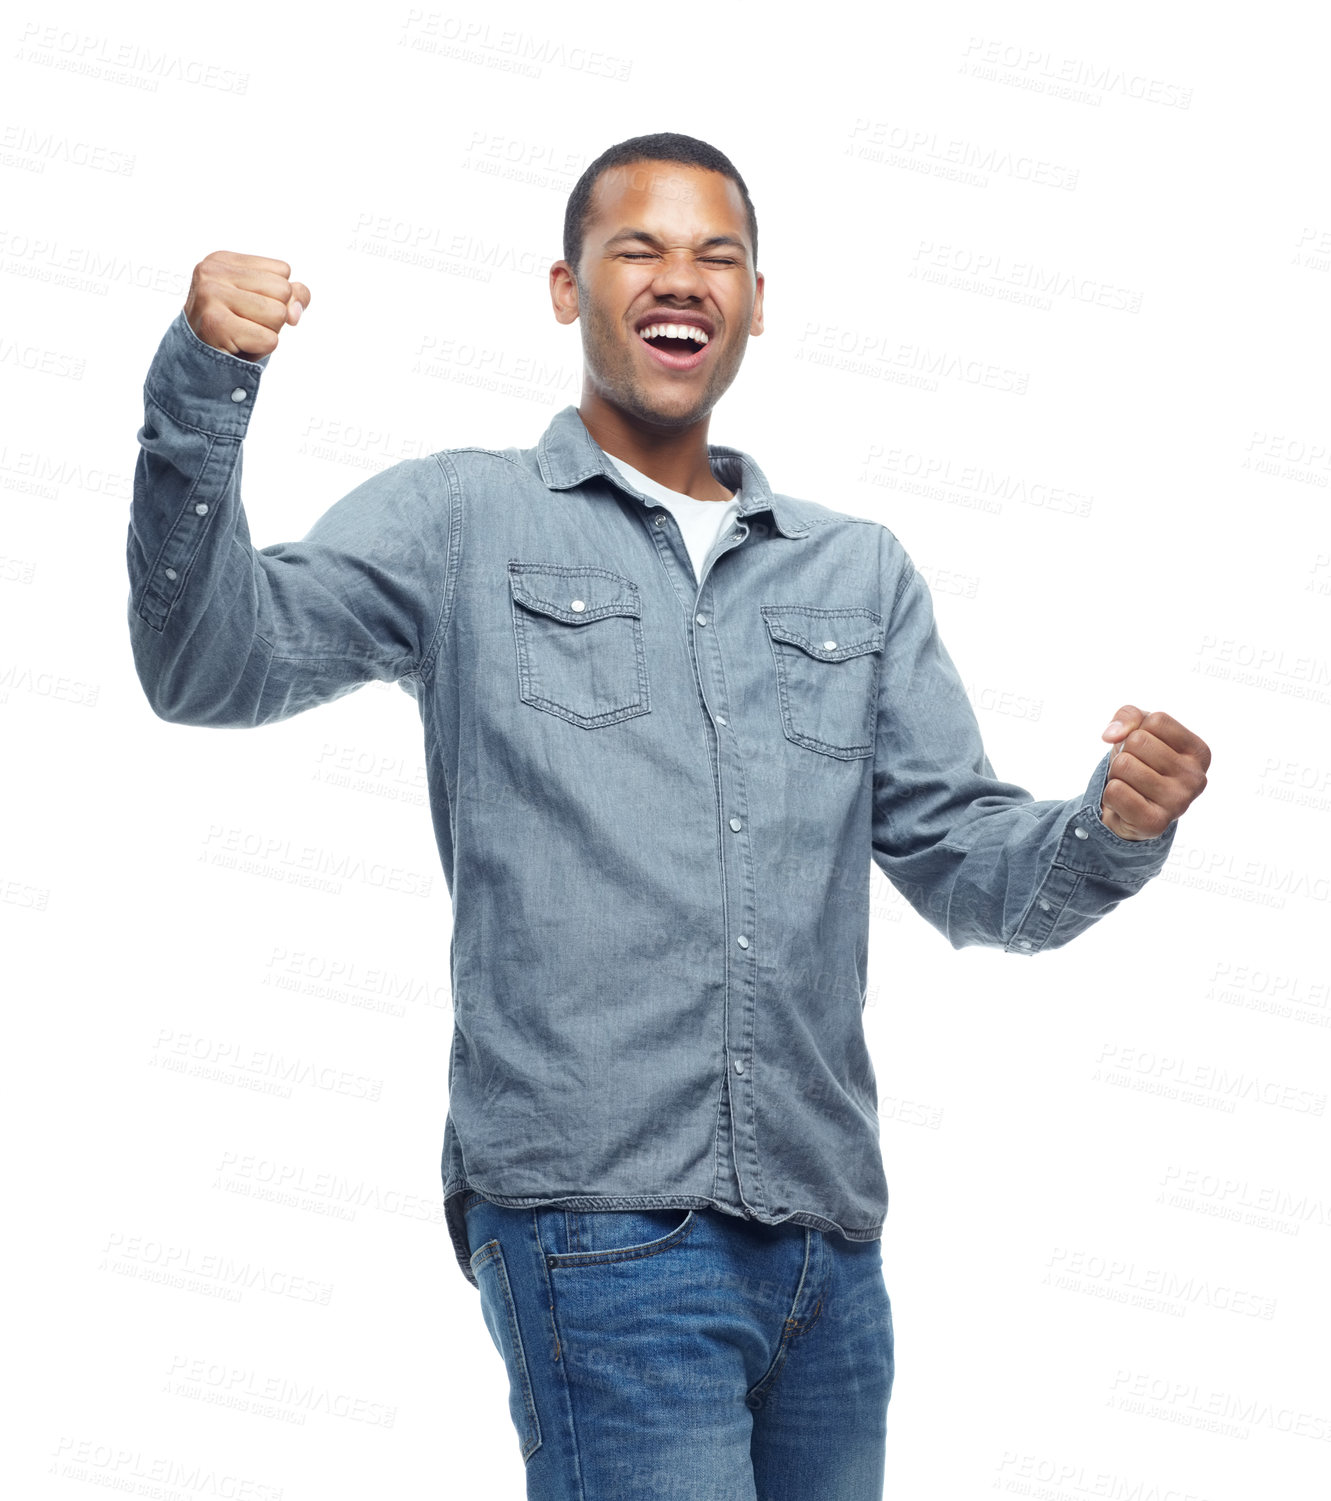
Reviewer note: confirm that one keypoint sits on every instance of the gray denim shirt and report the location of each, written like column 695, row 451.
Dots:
column 656, row 799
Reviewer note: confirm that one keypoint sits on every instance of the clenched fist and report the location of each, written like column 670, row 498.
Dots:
column 1157, row 770
column 240, row 303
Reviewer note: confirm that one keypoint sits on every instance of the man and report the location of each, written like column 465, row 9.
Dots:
column 670, row 717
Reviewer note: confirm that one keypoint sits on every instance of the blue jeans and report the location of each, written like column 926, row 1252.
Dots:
column 686, row 1354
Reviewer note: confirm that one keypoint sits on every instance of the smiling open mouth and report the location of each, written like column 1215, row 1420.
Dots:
column 674, row 338
column 678, row 345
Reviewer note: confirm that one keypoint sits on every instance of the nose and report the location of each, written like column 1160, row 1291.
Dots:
column 678, row 275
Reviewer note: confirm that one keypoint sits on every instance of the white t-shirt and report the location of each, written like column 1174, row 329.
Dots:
column 701, row 521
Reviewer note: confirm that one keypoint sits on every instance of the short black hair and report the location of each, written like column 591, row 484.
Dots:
column 665, row 146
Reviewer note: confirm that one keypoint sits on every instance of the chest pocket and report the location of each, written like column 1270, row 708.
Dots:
column 578, row 633
column 827, row 664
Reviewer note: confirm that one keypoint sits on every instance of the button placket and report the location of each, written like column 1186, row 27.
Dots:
column 737, row 880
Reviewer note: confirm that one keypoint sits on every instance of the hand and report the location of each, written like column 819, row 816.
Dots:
column 240, row 303
column 1156, row 771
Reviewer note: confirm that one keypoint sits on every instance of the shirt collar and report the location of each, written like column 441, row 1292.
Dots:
column 568, row 454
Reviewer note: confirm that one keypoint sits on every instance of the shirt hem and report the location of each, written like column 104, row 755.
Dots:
column 458, row 1231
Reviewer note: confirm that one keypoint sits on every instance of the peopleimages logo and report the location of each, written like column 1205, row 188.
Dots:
column 924, row 150
column 279, row 858
column 1164, row 1072
column 97, row 55
column 1072, row 78
column 505, row 48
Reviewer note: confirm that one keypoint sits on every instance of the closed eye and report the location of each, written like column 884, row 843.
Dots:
column 647, row 255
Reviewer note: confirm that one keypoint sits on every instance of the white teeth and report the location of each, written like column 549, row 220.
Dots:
column 673, row 331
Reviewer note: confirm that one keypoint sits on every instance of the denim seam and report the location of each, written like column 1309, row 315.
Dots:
column 545, row 1273
column 757, row 1187
column 562, row 1374
column 493, row 1252
column 158, row 399
column 157, row 617
column 555, row 1261
column 907, row 577
column 805, row 1218
column 451, row 570
column 722, row 1100
column 789, row 1329
column 1011, row 945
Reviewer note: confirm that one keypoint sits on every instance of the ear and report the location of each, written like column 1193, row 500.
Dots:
column 564, row 292
column 756, row 323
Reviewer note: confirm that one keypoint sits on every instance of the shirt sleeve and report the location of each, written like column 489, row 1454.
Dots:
column 224, row 634
column 977, row 857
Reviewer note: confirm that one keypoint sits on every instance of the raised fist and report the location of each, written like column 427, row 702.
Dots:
column 240, row 303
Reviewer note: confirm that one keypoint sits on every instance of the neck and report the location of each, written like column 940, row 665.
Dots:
column 673, row 457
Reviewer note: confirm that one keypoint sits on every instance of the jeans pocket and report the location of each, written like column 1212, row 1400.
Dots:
column 501, row 1319
column 578, row 633
column 827, row 662
column 605, row 1237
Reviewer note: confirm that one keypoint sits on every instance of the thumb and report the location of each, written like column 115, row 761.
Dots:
column 1123, row 723
column 300, row 300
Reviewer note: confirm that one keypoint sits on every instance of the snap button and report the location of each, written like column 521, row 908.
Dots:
column 201, row 509
column 239, row 394
column 1044, row 905
column 739, row 1066
column 736, row 825
column 578, row 604
column 742, row 941
column 1080, row 832
column 829, row 645
column 720, row 719
column 701, row 619
column 660, row 518
column 170, row 573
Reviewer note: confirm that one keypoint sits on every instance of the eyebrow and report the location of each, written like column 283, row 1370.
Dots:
column 650, row 239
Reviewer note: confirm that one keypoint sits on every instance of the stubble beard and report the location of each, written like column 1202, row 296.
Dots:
column 603, row 353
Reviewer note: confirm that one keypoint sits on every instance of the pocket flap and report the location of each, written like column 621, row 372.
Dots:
column 830, row 635
column 573, row 593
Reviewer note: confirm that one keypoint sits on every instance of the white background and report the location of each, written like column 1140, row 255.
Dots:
column 1109, row 238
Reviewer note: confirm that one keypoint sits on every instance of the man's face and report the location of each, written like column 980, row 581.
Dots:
column 665, row 244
